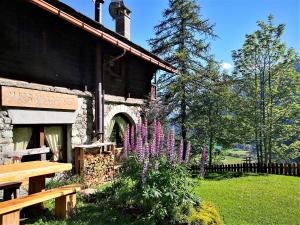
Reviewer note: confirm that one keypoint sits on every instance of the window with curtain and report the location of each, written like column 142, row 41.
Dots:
column 21, row 138
column 54, row 137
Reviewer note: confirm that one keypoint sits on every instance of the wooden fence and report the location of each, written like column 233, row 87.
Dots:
column 291, row 169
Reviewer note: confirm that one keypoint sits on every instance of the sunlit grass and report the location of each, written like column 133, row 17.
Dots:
column 248, row 200
column 255, row 200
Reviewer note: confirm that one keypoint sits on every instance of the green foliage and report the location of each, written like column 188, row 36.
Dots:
column 154, row 197
column 268, row 88
column 212, row 120
column 204, row 214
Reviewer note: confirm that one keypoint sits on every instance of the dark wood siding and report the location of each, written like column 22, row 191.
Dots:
column 37, row 46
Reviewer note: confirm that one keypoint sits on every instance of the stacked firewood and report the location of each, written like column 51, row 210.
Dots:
column 98, row 168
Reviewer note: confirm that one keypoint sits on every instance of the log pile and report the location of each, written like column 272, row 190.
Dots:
column 95, row 163
column 98, row 168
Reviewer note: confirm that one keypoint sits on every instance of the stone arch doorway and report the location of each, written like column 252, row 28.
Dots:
column 130, row 114
column 117, row 127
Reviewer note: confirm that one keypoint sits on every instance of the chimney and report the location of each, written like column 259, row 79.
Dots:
column 98, row 10
column 121, row 14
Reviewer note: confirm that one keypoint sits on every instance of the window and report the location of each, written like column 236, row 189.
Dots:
column 36, row 136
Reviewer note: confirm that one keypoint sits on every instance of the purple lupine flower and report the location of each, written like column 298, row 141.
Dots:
column 139, row 147
column 139, row 128
column 161, row 138
column 157, row 137
column 146, row 151
column 188, row 152
column 168, row 145
column 154, row 149
column 172, row 144
column 180, row 151
column 132, row 138
column 145, row 130
column 203, row 160
column 126, row 142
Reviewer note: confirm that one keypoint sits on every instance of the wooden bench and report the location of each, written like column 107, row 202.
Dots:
column 9, row 189
column 65, row 201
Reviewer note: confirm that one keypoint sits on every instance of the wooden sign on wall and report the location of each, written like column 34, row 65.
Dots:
column 27, row 98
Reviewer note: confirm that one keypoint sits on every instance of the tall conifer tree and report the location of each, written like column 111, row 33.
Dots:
column 182, row 39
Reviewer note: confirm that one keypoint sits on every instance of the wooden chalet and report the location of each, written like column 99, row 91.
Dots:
column 67, row 80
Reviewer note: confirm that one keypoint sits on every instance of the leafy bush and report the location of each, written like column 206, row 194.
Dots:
column 205, row 214
column 153, row 185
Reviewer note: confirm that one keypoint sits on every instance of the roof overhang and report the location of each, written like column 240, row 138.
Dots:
column 103, row 35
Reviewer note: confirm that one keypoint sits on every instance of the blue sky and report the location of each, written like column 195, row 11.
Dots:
column 233, row 19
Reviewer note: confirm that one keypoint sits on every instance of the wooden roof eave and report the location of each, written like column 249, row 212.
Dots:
column 103, row 35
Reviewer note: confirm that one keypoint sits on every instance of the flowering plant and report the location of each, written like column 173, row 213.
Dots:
column 151, row 151
column 154, row 180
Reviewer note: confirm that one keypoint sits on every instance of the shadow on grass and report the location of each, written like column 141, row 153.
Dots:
column 230, row 175
column 88, row 214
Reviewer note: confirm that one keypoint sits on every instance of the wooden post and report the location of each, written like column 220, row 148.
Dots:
column 11, row 218
column 272, row 169
column 42, row 143
column 36, row 185
column 281, row 169
column 65, row 205
column 286, row 169
column 276, row 168
column 289, row 169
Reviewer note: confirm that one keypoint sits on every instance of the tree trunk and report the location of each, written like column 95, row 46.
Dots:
column 183, row 124
column 211, row 146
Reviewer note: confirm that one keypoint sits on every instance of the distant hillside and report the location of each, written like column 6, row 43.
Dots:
column 298, row 67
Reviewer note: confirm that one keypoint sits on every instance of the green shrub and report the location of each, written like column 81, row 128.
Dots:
column 152, row 197
column 203, row 214
column 154, row 185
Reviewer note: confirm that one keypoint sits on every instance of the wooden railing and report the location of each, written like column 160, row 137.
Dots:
column 288, row 169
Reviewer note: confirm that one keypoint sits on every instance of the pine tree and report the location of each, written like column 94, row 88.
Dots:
column 182, row 39
column 212, row 111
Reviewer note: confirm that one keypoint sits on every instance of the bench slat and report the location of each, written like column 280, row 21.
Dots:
column 19, row 203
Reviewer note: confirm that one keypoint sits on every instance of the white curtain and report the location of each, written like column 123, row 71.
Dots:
column 54, row 137
column 111, row 127
column 21, row 138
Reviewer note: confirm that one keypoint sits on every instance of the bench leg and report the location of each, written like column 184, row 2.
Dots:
column 12, row 218
column 65, row 205
column 36, row 185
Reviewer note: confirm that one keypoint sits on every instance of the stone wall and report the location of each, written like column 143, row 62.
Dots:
column 82, row 129
column 6, row 129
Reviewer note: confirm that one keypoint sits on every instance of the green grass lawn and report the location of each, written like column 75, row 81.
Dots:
column 232, row 160
column 255, row 200
column 248, row 200
column 234, row 156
